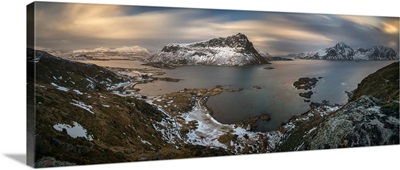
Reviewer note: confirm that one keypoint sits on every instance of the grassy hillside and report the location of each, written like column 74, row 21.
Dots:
column 383, row 84
column 118, row 129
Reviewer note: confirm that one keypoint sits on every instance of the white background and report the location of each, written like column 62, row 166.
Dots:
column 13, row 91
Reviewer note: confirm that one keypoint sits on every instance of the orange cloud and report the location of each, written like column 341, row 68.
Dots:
column 389, row 26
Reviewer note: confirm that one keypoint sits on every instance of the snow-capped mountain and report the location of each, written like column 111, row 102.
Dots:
column 100, row 53
column 341, row 51
column 235, row 50
column 376, row 53
column 264, row 54
column 128, row 50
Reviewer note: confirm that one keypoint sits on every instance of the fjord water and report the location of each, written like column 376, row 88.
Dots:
column 277, row 96
column 268, row 91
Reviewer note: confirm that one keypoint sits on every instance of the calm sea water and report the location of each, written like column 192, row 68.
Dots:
column 277, row 96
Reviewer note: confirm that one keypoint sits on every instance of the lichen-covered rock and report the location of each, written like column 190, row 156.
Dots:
column 370, row 118
column 365, row 122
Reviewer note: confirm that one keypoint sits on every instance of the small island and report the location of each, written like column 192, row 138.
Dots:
column 306, row 83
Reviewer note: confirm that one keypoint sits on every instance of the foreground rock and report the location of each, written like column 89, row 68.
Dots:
column 365, row 122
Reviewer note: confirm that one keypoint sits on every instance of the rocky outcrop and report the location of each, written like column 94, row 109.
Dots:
column 306, row 83
column 370, row 118
column 365, row 122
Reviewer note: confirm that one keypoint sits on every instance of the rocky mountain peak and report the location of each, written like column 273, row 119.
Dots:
column 341, row 45
column 234, row 50
column 340, row 50
column 238, row 40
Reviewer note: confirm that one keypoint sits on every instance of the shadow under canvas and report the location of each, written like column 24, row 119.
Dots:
column 21, row 158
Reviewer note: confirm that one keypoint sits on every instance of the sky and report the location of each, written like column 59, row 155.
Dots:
column 81, row 26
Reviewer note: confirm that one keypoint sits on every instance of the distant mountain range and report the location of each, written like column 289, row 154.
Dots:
column 124, row 52
column 342, row 51
column 131, row 50
column 235, row 50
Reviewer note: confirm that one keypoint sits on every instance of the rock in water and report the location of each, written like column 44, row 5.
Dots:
column 305, row 83
column 306, row 95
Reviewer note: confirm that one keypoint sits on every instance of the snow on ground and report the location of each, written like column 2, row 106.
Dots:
column 60, row 87
column 144, row 141
column 169, row 133
column 297, row 148
column 208, row 131
column 82, row 105
column 308, row 132
column 118, row 85
column 91, row 83
column 327, row 110
column 78, row 92
column 274, row 138
column 76, row 130
column 375, row 109
column 167, row 127
column 289, row 126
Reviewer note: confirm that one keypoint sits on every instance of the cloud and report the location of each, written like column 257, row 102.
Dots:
column 71, row 26
column 99, row 21
column 387, row 24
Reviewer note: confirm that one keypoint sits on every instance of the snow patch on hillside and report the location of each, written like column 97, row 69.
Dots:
column 76, row 130
column 82, row 105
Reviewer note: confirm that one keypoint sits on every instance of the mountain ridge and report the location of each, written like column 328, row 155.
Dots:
column 99, row 53
column 342, row 51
